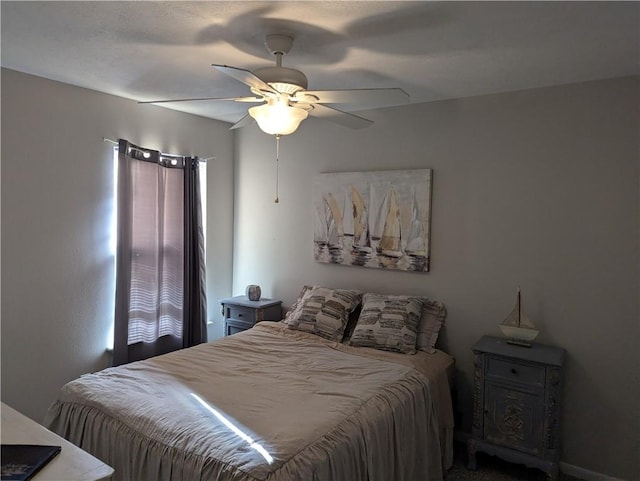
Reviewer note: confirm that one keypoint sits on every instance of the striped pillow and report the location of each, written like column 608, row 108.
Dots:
column 388, row 323
column 323, row 311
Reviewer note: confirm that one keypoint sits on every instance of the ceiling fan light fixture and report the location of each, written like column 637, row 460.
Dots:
column 277, row 117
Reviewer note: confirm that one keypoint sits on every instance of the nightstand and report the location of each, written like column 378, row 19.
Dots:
column 517, row 403
column 241, row 314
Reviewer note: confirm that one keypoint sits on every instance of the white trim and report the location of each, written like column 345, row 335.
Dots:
column 565, row 468
column 585, row 474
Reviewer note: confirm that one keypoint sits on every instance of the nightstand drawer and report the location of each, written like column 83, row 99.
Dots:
column 245, row 314
column 233, row 326
column 507, row 370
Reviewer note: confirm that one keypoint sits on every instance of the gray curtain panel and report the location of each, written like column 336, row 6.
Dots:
column 194, row 331
column 160, row 292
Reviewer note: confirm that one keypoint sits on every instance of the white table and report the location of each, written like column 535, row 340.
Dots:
column 72, row 464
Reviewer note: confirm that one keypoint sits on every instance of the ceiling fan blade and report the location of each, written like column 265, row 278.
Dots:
column 246, row 77
column 390, row 96
column 243, row 122
column 340, row 117
column 235, row 99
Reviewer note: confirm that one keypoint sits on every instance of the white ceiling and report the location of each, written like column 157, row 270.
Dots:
column 433, row 50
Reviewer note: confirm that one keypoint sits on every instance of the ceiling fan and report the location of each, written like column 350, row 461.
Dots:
column 285, row 100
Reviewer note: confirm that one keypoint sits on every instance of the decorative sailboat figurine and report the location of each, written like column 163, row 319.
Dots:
column 518, row 327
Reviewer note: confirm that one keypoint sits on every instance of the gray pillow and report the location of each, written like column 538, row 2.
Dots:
column 433, row 316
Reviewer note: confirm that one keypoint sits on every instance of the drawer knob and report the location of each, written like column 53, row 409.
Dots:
column 239, row 314
column 514, row 370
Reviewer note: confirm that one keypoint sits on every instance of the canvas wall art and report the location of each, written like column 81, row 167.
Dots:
column 377, row 219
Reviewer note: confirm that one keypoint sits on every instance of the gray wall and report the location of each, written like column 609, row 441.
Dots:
column 57, row 195
column 537, row 188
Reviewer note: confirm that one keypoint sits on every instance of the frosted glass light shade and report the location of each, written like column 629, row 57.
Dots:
column 278, row 118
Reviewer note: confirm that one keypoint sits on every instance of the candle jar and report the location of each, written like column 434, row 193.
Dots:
column 253, row 292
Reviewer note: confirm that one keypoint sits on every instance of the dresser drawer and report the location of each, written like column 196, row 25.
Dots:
column 508, row 370
column 241, row 313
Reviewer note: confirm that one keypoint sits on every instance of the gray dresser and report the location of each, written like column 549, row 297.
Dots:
column 241, row 314
column 517, row 403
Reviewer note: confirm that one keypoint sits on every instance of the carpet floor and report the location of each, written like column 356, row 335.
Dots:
column 491, row 468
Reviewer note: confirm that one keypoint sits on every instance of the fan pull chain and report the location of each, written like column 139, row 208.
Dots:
column 277, row 199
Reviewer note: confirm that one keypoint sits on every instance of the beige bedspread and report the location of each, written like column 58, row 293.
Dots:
column 265, row 404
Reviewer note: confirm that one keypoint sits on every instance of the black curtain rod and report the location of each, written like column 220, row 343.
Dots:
column 104, row 139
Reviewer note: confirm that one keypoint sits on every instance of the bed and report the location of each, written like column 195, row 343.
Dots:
column 272, row 403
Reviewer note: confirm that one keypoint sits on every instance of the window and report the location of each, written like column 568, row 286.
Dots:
column 155, row 305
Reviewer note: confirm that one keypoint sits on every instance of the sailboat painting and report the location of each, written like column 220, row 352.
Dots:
column 379, row 219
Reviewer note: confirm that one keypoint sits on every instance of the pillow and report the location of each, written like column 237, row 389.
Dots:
column 294, row 306
column 351, row 323
column 323, row 311
column 388, row 323
column 433, row 316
